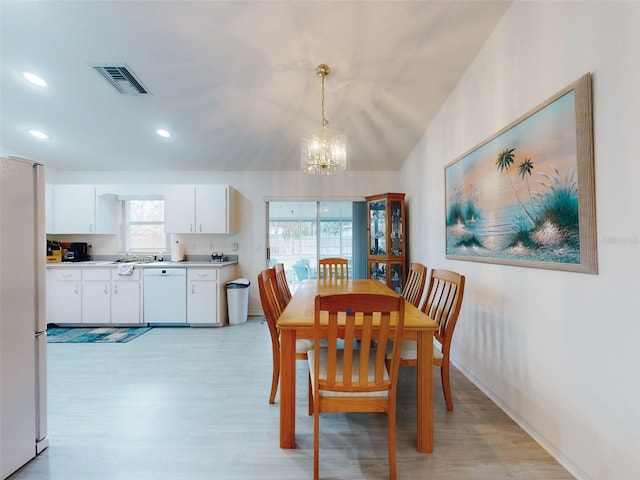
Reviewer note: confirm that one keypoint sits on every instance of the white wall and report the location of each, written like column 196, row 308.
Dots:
column 559, row 351
column 252, row 189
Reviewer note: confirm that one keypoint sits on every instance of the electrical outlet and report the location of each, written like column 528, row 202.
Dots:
column 235, row 246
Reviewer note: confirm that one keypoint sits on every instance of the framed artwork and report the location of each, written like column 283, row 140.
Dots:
column 526, row 196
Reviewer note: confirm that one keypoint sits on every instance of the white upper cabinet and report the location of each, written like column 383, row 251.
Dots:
column 198, row 209
column 48, row 208
column 77, row 209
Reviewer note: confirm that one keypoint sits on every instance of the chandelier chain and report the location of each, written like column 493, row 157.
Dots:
column 325, row 122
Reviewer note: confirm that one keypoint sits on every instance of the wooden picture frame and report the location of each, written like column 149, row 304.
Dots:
column 526, row 196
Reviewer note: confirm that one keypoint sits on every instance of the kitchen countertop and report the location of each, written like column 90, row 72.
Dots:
column 99, row 263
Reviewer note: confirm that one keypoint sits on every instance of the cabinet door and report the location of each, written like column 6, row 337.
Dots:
column 125, row 301
column 74, row 209
column 126, row 294
column 179, row 209
column 107, row 215
column 212, row 209
column 202, row 300
column 378, row 228
column 96, row 297
column 64, row 297
column 202, row 296
column 390, row 273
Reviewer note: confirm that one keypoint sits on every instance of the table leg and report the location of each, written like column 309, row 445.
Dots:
column 425, row 392
column 288, row 389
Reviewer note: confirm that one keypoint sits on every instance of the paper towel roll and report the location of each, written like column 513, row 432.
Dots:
column 177, row 251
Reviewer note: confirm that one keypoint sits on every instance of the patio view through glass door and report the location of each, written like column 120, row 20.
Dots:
column 299, row 233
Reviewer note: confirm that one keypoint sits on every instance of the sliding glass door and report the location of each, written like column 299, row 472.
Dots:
column 299, row 233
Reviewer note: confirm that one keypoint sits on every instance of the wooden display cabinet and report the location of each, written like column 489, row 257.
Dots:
column 386, row 240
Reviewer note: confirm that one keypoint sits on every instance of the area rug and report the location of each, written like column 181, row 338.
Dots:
column 94, row 335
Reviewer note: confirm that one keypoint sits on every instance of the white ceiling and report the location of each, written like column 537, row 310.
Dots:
column 233, row 81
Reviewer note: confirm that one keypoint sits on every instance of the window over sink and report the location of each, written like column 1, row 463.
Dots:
column 144, row 226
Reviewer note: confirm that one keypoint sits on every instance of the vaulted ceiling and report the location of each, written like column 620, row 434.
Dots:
column 232, row 81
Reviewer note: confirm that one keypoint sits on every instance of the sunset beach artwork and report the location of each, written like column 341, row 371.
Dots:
column 526, row 195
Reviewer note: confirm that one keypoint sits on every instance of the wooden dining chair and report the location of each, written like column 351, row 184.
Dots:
column 350, row 376
column 267, row 286
column 283, row 285
column 444, row 299
column 333, row 268
column 414, row 286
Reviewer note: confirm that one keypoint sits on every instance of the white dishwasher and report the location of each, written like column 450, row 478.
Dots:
column 165, row 295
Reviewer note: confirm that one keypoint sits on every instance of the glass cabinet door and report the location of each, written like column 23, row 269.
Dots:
column 389, row 273
column 396, row 277
column 396, row 230
column 378, row 227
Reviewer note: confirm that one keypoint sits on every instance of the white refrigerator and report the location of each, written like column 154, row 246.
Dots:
column 23, row 338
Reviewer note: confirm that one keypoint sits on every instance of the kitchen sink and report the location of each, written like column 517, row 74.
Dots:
column 103, row 262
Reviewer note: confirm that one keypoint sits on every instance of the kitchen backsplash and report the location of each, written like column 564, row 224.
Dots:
column 194, row 245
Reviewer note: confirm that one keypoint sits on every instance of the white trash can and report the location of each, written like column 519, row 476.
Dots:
column 238, row 300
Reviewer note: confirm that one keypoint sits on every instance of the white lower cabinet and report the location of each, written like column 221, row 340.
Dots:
column 109, row 298
column 125, row 297
column 207, row 296
column 96, row 295
column 202, row 296
column 100, row 296
column 64, row 296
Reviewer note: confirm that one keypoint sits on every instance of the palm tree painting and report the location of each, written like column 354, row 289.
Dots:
column 526, row 195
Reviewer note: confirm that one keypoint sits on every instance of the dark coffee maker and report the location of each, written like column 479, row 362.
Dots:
column 77, row 252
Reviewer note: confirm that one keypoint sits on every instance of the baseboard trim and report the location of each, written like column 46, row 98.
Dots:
column 550, row 448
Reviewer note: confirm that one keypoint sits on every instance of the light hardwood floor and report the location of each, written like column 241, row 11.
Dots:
column 192, row 404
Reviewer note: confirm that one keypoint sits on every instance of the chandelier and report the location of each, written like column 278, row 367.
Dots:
column 323, row 151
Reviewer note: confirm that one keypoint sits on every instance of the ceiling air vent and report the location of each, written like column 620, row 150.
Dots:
column 123, row 79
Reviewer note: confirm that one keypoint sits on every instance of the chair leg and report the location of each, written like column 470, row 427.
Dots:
column 275, row 377
column 310, row 407
column 391, row 425
column 316, row 445
column 446, row 385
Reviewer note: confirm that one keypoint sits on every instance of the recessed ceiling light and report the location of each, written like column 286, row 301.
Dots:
column 35, row 79
column 39, row 134
column 163, row 133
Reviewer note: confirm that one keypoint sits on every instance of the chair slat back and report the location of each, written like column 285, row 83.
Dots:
column 267, row 286
column 283, row 285
column 270, row 304
column 414, row 287
column 352, row 317
column 333, row 268
column 444, row 298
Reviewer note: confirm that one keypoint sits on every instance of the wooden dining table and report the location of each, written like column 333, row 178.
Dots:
column 296, row 322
